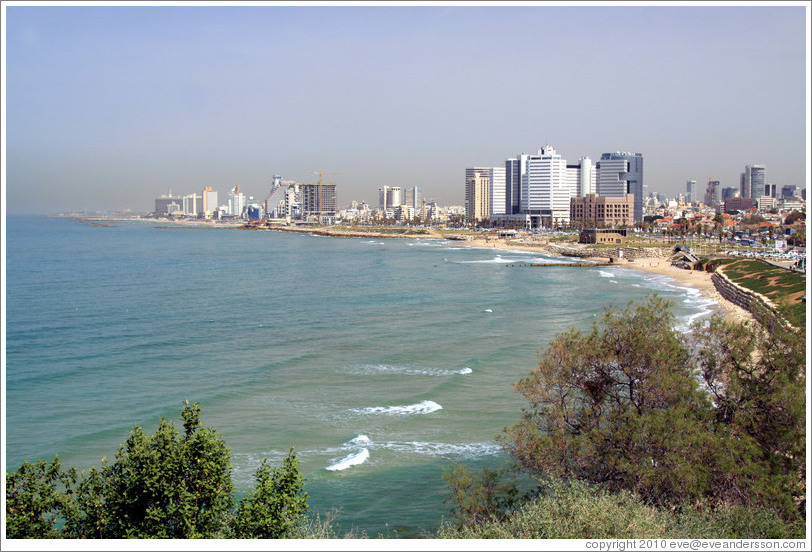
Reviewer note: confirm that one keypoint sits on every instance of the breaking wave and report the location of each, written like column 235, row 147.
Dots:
column 378, row 369
column 351, row 460
column 423, row 407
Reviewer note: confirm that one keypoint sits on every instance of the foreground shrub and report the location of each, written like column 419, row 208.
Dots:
column 571, row 511
column 579, row 511
column 164, row 485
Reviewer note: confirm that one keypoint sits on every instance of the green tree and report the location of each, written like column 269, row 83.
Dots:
column 755, row 373
column 34, row 501
column 618, row 406
column 478, row 498
column 277, row 505
column 165, row 485
column 621, row 407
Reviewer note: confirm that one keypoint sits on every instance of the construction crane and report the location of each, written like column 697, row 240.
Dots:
column 318, row 200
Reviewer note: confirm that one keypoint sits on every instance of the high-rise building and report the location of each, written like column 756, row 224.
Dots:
column 276, row 204
column 318, row 200
column 753, row 180
column 788, row 192
column 390, row 197
column 236, row 201
column 546, row 190
column 210, row 201
column 414, row 198
column 690, row 191
column 515, row 169
column 621, row 173
column 192, row 204
column 729, row 192
column 477, row 194
column 498, row 193
column 168, row 204
column 713, row 197
column 770, row 190
column 582, row 176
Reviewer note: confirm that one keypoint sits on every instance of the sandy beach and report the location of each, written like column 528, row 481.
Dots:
column 658, row 265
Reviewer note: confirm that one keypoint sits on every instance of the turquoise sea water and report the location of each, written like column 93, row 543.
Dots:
column 380, row 361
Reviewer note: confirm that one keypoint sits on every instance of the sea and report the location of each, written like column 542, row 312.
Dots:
column 382, row 362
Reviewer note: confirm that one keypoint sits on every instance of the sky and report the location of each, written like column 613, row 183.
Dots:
column 108, row 107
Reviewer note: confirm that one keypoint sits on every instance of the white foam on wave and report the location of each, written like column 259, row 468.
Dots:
column 604, row 274
column 349, row 461
column 496, row 260
column 488, row 310
column 423, row 407
column 465, row 450
column 360, row 439
column 386, row 369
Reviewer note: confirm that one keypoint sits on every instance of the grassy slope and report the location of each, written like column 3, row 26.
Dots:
column 785, row 289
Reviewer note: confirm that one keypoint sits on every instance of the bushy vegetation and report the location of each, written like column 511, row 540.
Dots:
column 576, row 510
column 163, row 485
column 706, row 428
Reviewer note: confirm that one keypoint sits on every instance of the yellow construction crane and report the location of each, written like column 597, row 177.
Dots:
column 319, row 192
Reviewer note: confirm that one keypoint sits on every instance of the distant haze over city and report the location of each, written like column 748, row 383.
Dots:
column 107, row 108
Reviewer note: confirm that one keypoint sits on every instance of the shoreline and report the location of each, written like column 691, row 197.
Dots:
column 660, row 266
column 694, row 279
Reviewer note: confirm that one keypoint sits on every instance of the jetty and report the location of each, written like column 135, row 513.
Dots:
column 563, row 264
column 572, row 264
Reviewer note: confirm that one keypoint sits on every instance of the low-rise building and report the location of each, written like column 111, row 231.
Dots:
column 602, row 235
column 602, row 210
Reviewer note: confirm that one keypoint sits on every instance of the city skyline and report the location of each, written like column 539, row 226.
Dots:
column 110, row 107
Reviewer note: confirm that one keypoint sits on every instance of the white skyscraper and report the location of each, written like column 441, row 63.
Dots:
column 582, row 176
column 546, row 188
column 236, row 201
column 498, row 192
column 390, row 197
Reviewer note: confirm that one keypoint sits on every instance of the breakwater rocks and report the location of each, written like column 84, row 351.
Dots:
column 628, row 253
column 747, row 299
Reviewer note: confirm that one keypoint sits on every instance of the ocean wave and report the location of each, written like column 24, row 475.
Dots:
column 495, row 260
column 464, row 450
column 377, row 369
column 423, row 407
column 360, row 439
column 349, row 461
column 604, row 274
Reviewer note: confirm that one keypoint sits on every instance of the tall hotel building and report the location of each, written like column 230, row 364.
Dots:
column 620, row 174
column 477, row 194
column 546, row 189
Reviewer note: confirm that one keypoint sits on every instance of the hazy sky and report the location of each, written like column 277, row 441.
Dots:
column 109, row 107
